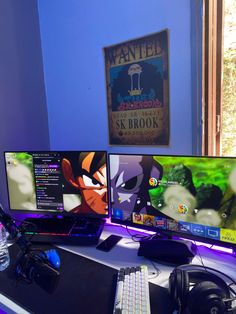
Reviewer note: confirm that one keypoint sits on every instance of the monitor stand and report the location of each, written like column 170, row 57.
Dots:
column 71, row 230
column 168, row 250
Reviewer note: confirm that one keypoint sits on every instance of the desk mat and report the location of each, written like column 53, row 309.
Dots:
column 85, row 287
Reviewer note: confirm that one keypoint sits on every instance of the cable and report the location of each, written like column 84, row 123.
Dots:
column 137, row 237
column 198, row 252
column 133, row 236
column 158, row 271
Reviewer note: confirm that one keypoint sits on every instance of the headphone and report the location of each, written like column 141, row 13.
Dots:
column 32, row 264
column 210, row 293
column 39, row 266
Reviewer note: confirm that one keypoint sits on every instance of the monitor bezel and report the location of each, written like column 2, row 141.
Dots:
column 52, row 212
column 164, row 232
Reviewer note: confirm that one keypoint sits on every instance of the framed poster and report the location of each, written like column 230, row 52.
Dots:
column 137, row 85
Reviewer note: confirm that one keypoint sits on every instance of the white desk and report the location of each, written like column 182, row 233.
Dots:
column 125, row 254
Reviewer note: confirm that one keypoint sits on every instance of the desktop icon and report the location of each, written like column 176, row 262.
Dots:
column 182, row 209
column 213, row 232
column 172, row 225
column 185, row 226
column 153, row 182
column 148, row 220
column 228, row 235
column 117, row 213
column 199, row 230
column 137, row 218
column 160, row 222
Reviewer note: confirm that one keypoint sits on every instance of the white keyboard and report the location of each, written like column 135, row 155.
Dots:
column 132, row 291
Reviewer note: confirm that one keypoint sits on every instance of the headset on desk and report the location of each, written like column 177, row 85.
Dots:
column 32, row 264
column 210, row 293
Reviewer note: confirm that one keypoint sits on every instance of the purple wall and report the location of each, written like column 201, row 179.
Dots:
column 23, row 111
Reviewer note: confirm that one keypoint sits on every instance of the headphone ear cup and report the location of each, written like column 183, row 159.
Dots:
column 183, row 287
column 172, row 284
column 24, row 268
column 179, row 286
column 206, row 297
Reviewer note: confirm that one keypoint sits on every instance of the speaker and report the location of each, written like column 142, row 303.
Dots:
column 171, row 251
column 197, row 289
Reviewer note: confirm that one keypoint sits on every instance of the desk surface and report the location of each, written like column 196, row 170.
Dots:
column 125, row 254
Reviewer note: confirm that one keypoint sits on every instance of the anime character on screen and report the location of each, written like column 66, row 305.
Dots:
column 88, row 176
column 130, row 186
column 21, row 185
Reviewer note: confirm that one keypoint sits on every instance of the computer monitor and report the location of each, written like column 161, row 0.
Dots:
column 184, row 196
column 68, row 183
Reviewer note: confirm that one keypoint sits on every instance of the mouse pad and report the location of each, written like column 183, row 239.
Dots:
column 85, row 286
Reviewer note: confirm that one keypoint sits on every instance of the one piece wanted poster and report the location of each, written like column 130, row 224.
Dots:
column 137, row 84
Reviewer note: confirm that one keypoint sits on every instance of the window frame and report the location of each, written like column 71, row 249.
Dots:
column 212, row 79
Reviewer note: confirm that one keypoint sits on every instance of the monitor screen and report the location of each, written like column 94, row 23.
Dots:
column 192, row 197
column 67, row 183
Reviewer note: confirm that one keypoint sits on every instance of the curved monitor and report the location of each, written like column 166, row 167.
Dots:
column 185, row 196
column 61, row 183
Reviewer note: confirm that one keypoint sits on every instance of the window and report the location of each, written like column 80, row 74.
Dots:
column 219, row 77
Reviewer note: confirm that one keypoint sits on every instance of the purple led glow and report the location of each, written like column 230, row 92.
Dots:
column 140, row 231
column 214, row 247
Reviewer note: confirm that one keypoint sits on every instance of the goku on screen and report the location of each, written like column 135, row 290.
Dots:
column 85, row 174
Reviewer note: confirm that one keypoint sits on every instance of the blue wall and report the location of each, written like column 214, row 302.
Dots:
column 23, row 110
column 57, row 46
column 73, row 34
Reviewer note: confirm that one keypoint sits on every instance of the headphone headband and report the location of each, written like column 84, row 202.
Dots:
column 208, row 284
column 208, row 269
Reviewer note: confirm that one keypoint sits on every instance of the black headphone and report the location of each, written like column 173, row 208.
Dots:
column 35, row 266
column 210, row 294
